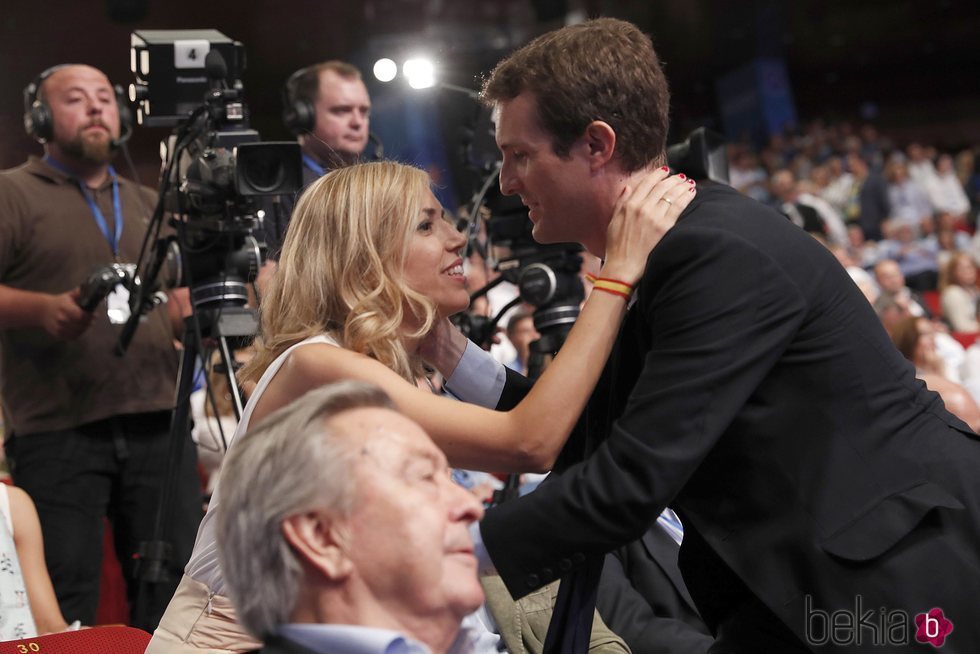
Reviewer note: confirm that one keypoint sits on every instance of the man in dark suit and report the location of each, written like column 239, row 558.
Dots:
column 341, row 531
column 643, row 599
column 827, row 496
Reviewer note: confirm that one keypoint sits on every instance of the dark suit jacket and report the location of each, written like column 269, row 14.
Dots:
column 642, row 597
column 753, row 389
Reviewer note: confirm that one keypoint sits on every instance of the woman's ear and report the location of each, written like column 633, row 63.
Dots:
column 320, row 542
column 599, row 141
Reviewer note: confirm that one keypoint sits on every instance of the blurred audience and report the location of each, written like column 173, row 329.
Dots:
column 920, row 165
column 917, row 258
column 521, row 333
column 891, row 284
column 809, row 211
column 746, row 175
column 867, row 201
column 914, row 204
column 946, row 192
column 908, row 203
column 958, row 293
column 915, row 339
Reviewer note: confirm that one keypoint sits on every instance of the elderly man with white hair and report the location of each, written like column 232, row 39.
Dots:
column 341, row 530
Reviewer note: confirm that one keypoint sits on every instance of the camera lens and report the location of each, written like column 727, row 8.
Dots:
column 264, row 174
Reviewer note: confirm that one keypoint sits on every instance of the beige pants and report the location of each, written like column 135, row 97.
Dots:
column 197, row 621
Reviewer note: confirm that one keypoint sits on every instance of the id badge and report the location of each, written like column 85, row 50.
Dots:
column 117, row 302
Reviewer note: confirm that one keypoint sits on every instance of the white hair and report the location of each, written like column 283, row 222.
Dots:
column 290, row 463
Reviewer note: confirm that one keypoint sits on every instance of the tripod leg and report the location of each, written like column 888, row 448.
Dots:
column 229, row 360
column 155, row 554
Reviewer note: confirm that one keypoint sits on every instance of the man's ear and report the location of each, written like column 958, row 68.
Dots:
column 599, row 141
column 320, row 542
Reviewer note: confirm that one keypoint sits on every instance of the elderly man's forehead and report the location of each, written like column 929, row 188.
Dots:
column 390, row 438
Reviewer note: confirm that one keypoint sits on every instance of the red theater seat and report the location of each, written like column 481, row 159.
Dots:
column 965, row 339
column 931, row 298
column 97, row 640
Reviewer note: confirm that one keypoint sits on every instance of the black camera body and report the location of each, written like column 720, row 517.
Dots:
column 170, row 72
column 218, row 169
column 190, row 80
column 701, row 156
column 546, row 275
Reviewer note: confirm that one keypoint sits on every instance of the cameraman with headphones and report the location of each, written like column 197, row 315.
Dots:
column 327, row 107
column 88, row 432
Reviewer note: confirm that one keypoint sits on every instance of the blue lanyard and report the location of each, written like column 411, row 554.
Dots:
column 310, row 163
column 113, row 240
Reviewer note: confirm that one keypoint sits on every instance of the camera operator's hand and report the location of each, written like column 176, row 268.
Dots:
column 63, row 318
column 648, row 207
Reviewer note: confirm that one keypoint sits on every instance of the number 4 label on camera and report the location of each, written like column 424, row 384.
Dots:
column 190, row 53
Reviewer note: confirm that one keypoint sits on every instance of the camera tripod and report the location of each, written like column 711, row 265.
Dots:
column 224, row 327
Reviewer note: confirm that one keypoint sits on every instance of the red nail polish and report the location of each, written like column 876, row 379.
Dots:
column 664, row 168
column 683, row 176
column 692, row 189
column 690, row 181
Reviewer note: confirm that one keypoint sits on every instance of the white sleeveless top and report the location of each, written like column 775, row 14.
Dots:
column 204, row 565
column 16, row 620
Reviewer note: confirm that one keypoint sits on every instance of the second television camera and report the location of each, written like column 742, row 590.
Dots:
column 547, row 275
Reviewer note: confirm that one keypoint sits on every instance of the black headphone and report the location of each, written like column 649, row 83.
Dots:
column 39, row 124
column 298, row 114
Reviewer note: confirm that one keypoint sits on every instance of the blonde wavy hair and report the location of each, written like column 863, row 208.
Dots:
column 341, row 269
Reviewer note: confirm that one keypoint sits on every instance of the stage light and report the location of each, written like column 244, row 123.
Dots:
column 385, row 70
column 420, row 72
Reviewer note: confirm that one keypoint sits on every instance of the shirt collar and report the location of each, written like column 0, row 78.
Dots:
column 351, row 639
column 37, row 166
column 477, row 634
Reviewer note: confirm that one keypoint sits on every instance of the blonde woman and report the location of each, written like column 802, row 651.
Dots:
column 369, row 267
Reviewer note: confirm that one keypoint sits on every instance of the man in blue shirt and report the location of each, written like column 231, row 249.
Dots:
column 328, row 108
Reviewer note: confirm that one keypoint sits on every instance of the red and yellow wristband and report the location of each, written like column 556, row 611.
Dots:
column 614, row 286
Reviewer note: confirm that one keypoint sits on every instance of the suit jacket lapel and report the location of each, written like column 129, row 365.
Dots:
column 663, row 550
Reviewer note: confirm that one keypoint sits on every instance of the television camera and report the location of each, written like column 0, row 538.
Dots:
column 215, row 175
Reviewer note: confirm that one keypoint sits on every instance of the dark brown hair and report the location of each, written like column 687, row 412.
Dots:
column 603, row 69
